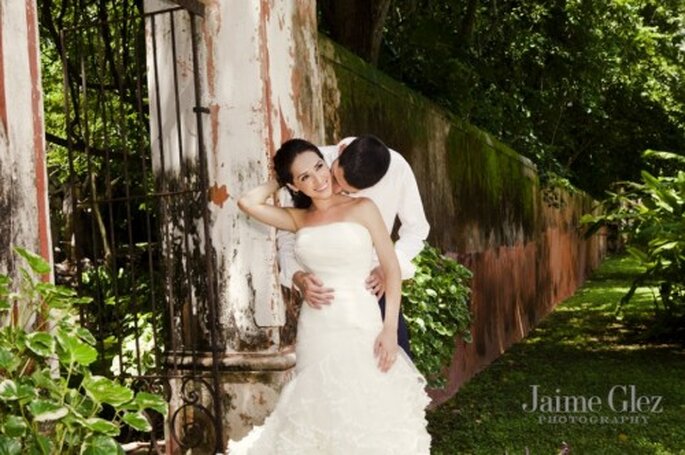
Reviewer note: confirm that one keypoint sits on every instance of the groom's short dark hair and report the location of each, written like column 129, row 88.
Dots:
column 364, row 161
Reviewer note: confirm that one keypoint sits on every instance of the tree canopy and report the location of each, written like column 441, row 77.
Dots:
column 580, row 87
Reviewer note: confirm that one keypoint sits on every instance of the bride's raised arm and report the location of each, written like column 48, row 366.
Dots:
column 254, row 204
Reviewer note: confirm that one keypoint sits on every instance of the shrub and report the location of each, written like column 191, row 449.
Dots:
column 436, row 306
column 651, row 213
column 50, row 402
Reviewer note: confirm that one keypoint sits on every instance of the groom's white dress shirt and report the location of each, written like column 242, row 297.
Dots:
column 396, row 195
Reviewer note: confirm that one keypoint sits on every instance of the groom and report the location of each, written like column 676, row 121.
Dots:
column 364, row 166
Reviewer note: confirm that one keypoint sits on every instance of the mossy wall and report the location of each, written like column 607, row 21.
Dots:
column 483, row 201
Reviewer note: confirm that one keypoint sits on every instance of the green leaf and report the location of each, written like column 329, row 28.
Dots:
column 76, row 350
column 14, row 426
column 9, row 446
column 4, row 284
column 4, row 292
column 8, row 361
column 82, row 404
column 664, row 155
column 102, row 426
column 41, row 343
column 137, row 421
column 100, row 445
column 85, row 335
column 46, row 411
column 26, row 391
column 145, row 400
column 36, row 262
column 638, row 254
column 104, row 390
column 56, row 297
column 8, row 390
column 40, row 445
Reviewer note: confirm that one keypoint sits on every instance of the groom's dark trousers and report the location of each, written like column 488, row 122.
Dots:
column 402, row 332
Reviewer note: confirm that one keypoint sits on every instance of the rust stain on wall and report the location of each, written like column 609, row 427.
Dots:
column 305, row 89
column 267, row 103
column 218, row 194
column 38, row 144
column 286, row 132
column 514, row 288
column 210, row 58
column 214, row 127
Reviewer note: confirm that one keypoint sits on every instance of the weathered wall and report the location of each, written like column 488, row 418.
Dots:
column 23, row 189
column 483, row 201
column 259, row 68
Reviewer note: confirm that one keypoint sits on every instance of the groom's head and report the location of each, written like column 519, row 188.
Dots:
column 361, row 164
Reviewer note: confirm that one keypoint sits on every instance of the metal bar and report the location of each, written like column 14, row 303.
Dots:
column 93, row 208
column 111, row 262
column 209, row 252
column 134, row 310
column 193, row 6
column 75, row 242
column 109, row 21
column 134, row 197
column 142, row 149
column 184, row 187
column 163, row 218
column 163, row 11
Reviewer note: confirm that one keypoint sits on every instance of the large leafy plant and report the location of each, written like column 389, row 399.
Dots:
column 436, row 306
column 651, row 214
column 50, row 402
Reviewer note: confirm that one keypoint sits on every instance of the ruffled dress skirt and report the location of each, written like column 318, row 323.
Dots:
column 339, row 402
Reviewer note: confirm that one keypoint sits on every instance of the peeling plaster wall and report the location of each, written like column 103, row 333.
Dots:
column 262, row 89
column 260, row 83
column 23, row 178
column 483, row 200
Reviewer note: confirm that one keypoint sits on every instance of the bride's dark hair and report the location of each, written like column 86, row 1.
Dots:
column 283, row 161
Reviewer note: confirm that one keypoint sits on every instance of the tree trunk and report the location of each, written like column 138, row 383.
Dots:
column 356, row 24
column 468, row 24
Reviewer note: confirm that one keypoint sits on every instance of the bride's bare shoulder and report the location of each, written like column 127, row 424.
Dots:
column 364, row 203
column 364, row 209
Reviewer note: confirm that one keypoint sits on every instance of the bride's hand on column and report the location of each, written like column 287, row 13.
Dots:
column 385, row 348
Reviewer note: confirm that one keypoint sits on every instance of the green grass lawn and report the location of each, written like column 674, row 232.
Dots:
column 582, row 350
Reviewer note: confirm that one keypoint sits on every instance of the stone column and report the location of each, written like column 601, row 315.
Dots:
column 259, row 87
column 24, row 215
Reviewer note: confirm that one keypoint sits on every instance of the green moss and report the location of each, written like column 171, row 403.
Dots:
column 492, row 186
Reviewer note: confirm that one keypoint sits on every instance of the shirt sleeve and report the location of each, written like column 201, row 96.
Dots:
column 285, row 242
column 414, row 228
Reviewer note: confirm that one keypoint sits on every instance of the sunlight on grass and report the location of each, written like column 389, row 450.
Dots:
column 582, row 349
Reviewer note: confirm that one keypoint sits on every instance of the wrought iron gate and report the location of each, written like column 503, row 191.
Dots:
column 134, row 225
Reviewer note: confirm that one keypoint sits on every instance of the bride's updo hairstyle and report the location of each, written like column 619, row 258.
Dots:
column 283, row 161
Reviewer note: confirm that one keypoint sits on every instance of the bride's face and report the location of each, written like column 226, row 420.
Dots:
column 311, row 175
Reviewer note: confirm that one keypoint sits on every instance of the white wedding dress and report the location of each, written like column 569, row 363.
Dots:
column 339, row 402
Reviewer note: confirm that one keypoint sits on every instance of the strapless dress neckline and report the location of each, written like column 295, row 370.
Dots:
column 332, row 224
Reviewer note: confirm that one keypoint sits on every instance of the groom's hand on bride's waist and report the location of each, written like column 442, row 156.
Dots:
column 313, row 290
column 375, row 283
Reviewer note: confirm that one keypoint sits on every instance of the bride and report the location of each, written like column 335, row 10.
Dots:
column 355, row 391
